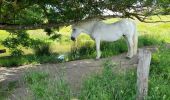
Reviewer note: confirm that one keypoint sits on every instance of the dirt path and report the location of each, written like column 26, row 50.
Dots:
column 75, row 71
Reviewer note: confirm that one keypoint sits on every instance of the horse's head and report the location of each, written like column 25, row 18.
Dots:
column 84, row 27
column 75, row 32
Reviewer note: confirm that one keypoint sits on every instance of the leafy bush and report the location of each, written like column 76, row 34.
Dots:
column 83, row 50
column 16, row 40
column 42, row 49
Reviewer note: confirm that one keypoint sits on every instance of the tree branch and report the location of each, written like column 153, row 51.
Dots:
column 5, row 26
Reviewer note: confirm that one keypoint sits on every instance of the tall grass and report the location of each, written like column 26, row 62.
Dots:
column 160, row 75
column 112, row 84
column 44, row 87
column 11, row 61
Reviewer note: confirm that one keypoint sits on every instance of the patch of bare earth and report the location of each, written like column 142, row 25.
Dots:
column 75, row 71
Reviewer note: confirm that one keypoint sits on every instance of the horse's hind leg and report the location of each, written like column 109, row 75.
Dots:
column 131, row 47
column 128, row 45
column 98, row 48
column 135, row 41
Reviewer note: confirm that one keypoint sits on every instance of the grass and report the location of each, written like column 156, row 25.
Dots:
column 160, row 75
column 4, row 92
column 44, row 87
column 11, row 61
column 122, row 86
column 110, row 85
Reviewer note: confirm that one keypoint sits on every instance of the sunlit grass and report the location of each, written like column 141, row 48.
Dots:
column 3, row 35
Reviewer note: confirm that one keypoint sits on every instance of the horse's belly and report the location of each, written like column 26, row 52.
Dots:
column 110, row 37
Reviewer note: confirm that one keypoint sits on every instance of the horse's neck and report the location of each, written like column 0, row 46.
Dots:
column 89, row 26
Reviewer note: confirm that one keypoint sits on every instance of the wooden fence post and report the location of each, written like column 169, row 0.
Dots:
column 143, row 74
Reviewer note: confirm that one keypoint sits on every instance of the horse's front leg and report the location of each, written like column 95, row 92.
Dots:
column 98, row 48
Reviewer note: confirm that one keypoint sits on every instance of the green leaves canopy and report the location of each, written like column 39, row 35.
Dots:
column 32, row 14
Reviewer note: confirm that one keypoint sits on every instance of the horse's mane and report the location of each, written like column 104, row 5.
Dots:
column 80, row 23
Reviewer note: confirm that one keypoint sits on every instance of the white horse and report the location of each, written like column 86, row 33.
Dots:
column 100, row 31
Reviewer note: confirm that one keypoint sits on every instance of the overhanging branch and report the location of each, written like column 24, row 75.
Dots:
column 4, row 26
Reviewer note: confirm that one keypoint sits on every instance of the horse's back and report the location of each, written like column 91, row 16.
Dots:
column 127, row 26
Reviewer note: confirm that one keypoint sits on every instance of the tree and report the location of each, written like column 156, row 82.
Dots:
column 33, row 14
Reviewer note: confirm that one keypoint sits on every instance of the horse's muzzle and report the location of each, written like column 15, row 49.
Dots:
column 73, row 39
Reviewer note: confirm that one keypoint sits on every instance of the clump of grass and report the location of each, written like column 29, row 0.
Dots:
column 159, row 80
column 82, row 50
column 109, row 85
column 12, row 61
column 45, row 87
column 6, row 90
column 148, row 40
column 113, row 48
column 42, row 49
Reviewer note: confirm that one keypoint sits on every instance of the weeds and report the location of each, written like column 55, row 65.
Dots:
column 109, row 85
column 159, row 80
column 45, row 87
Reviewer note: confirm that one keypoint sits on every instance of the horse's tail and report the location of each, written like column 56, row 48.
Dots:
column 135, row 40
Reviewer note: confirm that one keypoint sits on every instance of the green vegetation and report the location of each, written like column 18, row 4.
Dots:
column 50, row 41
column 5, row 91
column 27, row 59
column 160, row 75
column 111, row 84
column 119, row 85
column 45, row 87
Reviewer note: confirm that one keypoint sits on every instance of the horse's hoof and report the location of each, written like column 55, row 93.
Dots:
column 128, row 57
column 97, row 59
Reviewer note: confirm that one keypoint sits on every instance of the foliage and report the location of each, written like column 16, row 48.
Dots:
column 40, row 12
column 19, row 39
column 15, row 41
column 53, row 35
column 43, row 49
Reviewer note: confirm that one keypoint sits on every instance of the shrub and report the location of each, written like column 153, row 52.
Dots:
column 42, row 49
